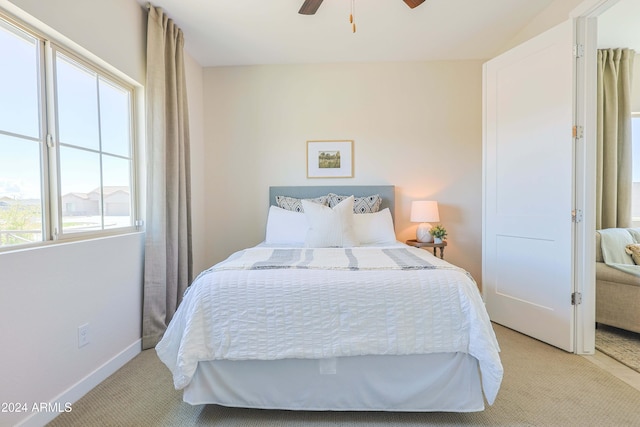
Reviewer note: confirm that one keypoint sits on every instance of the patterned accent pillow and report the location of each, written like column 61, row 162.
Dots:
column 295, row 205
column 634, row 251
column 361, row 205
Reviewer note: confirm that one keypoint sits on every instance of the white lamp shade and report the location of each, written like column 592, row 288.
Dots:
column 424, row 211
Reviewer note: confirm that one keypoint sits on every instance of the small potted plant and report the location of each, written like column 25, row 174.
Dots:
column 439, row 233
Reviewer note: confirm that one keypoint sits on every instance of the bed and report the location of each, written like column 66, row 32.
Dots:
column 330, row 312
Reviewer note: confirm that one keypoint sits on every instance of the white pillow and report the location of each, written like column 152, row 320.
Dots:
column 374, row 228
column 286, row 227
column 330, row 227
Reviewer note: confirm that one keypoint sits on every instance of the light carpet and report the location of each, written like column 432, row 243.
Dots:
column 542, row 386
column 621, row 345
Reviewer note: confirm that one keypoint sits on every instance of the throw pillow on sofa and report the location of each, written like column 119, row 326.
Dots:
column 634, row 251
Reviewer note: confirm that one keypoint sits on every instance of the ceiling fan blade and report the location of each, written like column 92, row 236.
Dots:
column 309, row 7
column 413, row 3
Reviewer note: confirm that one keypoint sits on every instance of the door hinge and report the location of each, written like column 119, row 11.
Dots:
column 577, row 132
column 578, row 50
column 50, row 141
column 576, row 215
column 576, row 298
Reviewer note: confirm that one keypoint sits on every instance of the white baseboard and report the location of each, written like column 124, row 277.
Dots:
column 67, row 398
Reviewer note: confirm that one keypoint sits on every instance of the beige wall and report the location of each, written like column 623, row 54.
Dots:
column 415, row 125
column 115, row 32
column 199, row 221
column 557, row 12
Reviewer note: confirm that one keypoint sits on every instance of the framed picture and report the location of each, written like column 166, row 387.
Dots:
column 330, row 159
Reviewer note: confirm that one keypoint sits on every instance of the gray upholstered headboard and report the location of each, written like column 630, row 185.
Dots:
column 387, row 192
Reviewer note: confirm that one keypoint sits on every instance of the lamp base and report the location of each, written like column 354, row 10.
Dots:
column 423, row 234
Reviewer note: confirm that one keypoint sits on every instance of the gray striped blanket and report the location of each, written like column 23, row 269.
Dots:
column 356, row 258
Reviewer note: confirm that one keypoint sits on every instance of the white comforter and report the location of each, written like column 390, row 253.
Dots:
column 252, row 306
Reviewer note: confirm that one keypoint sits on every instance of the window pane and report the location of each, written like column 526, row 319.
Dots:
column 635, row 192
column 19, row 108
column 114, row 119
column 77, row 101
column 20, row 191
column 116, row 174
column 95, row 149
column 80, row 189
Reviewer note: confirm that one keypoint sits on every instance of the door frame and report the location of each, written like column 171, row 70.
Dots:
column 585, row 112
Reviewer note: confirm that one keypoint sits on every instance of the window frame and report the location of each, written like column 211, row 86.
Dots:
column 50, row 179
column 635, row 140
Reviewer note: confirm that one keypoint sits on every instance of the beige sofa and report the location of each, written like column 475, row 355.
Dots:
column 617, row 295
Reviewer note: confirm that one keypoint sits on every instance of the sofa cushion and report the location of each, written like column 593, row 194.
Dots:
column 605, row 273
column 613, row 242
column 634, row 232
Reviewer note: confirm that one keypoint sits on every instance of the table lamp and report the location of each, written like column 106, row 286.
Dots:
column 424, row 212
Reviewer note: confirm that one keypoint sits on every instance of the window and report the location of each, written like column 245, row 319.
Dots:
column 66, row 143
column 21, row 201
column 635, row 192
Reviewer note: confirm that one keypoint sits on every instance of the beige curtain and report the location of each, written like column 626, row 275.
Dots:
column 168, row 258
column 613, row 186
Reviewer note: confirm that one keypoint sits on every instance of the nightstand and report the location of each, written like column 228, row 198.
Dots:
column 414, row 242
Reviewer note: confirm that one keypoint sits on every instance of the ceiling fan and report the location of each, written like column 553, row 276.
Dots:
column 309, row 7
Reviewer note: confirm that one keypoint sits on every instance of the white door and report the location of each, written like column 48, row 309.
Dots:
column 528, row 187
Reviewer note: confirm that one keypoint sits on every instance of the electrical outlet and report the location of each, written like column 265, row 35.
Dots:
column 83, row 335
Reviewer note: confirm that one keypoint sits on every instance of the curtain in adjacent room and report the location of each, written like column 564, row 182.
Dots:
column 168, row 257
column 614, row 146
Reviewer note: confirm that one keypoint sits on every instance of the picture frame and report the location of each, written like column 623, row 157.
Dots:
column 330, row 158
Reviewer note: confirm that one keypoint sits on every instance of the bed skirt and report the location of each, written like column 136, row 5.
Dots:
column 437, row 382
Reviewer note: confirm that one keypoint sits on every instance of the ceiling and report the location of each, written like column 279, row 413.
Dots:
column 247, row 32
column 618, row 26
